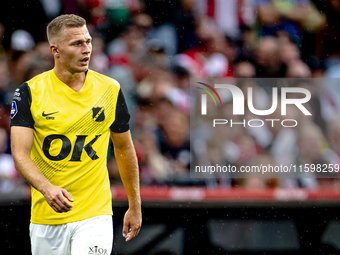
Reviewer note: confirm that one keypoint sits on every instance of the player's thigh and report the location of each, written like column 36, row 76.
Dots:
column 49, row 239
column 93, row 236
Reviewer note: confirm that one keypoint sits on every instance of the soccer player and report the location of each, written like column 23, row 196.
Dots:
column 61, row 122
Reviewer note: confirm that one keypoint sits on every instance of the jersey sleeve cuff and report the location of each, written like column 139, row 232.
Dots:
column 120, row 129
column 13, row 124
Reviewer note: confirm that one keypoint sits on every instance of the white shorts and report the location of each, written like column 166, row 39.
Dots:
column 90, row 236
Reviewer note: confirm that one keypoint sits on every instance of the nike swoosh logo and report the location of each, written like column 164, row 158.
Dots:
column 48, row 114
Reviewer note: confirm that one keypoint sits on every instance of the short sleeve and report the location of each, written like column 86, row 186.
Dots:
column 21, row 107
column 121, row 123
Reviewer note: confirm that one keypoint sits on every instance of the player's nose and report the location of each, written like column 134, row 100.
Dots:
column 87, row 48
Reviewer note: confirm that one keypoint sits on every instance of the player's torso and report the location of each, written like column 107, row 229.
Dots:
column 71, row 135
column 71, row 129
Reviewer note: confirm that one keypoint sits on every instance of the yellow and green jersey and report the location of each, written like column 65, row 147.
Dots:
column 71, row 136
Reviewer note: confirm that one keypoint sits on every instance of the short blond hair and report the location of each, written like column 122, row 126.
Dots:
column 61, row 22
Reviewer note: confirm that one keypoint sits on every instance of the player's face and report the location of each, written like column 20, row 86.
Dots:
column 75, row 49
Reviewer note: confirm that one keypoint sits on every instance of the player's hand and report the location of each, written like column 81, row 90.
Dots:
column 132, row 223
column 56, row 198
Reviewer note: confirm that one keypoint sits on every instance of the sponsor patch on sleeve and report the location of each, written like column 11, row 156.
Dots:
column 14, row 109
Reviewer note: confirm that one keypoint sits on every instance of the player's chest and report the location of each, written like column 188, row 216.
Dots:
column 64, row 115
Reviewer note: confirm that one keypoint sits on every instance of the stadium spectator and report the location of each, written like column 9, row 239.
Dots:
column 99, row 59
column 19, row 56
column 173, row 138
column 311, row 150
column 5, row 96
column 9, row 177
column 230, row 16
column 244, row 68
column 267, row 58
column 2, row 49
column 283, row 15
column 153, row 166
column 298, row 69
column 206, row 60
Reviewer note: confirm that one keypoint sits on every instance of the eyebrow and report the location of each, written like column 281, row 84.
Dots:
column 81, row 40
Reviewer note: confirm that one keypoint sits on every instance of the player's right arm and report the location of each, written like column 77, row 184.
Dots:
column 22, row 141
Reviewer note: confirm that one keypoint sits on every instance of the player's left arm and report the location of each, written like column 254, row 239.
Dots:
column 128, row 168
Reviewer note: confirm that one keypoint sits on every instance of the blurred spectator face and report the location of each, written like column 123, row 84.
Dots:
column 100, row 61
column 113, row 170
column 270, row 180
column 247, row 147
column 36, row 68
column 254, row 183
column 182, row 77
column 334, row 135
column 141, row 70
column 317, row 67
column 244, row 70
column 162, row 109
column 267, row 52
column 183, row 82
column 3, row 140
column 298, row 69
column 210, row 36
column 143, row 22
column 42, row 49
column 149, row 145
column 3, row 75
column 215, row 151
column 156, row 53
column 204, row 31
column 98, row 46
column 160, row 90
column 188, row 4
column 335, row 4
column 176, row 129
column 310, row 142
column 142, row 116
column 162, row 83
column 230, row 50
column 289, row 52
column 2, row 32
column 19, row 66
column 20, row 56
column 97, row 13
column 31, row 72
column 132, row 36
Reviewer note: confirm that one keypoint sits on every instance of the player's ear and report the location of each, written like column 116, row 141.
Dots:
column 54, row 49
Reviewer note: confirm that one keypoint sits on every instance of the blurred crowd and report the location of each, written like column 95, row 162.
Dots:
column 153, row 48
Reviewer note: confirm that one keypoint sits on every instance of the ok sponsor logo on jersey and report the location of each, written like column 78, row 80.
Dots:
column 66, row 147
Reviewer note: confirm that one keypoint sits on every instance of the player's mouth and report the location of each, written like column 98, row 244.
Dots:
column 85, row 61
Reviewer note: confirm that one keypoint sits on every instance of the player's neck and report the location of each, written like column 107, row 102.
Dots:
column 74, row 80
